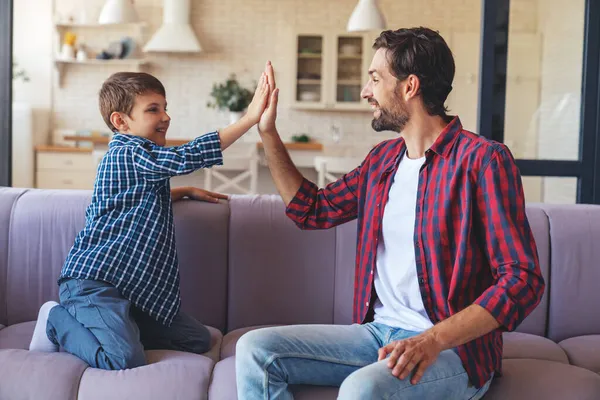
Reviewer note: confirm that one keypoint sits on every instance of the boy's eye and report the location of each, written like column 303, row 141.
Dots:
column 152, row 109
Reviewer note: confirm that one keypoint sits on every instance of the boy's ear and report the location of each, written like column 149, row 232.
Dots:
column 117, row 120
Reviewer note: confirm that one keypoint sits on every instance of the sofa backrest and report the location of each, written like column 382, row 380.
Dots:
column 279, row 274
column 43, row 227
column 575, row 266
column 244, row 263
column 8, row 198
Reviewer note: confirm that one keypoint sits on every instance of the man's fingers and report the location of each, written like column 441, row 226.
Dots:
column 403, row 361
column 384, row 351
column 423, row 365
column 396, row 353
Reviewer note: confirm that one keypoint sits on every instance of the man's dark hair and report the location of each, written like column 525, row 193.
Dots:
column 119, row 91
column 424, row 53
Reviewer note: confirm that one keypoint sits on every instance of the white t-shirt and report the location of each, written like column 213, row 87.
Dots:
column 399, row 303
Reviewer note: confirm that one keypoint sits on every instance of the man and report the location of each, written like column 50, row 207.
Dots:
column 445, row 261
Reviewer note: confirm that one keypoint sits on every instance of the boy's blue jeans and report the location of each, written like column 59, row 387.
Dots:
column 270, row 359
column 95, row 323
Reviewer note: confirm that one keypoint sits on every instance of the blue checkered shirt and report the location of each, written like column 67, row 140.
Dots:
column 128, row 239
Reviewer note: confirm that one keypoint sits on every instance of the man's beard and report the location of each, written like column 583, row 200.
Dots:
column 394, row 120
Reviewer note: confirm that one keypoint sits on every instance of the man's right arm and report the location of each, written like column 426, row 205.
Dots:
column 307, row 205
column 286, row 176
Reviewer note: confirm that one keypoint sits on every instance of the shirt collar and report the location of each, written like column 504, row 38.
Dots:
column 445, row 141
column 120, row 139
column 442, row 145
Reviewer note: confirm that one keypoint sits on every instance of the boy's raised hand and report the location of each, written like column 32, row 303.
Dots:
column 259, row 101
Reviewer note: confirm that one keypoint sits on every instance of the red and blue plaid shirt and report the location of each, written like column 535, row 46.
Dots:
column 473, row 243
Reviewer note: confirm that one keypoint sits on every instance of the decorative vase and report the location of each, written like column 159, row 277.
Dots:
column 234, row 116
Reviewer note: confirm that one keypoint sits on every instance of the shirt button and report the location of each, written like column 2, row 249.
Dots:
column 367, row 304
column 421, row 280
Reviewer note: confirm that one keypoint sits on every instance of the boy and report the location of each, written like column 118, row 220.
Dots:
column 119, row 286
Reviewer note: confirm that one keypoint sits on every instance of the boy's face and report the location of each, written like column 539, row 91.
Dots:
column 148, row 119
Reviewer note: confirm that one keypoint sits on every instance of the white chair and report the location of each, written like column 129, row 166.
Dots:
column 330, row 168
column 239, row 157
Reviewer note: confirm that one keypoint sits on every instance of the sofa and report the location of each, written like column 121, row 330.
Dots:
column 245, row 265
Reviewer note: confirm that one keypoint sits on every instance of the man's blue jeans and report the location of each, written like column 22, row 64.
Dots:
column 270, row 359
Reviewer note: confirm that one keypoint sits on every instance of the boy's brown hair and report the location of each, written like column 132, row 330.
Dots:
column 119, row 91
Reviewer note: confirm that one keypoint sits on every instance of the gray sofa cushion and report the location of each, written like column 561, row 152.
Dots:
column 8, row 197
column 536, row 322
column 583, row 351
column 201, row 234
column 44, row 226
column 537, row 379
column 278, row 274
column 574, row 280
column 35, row 375
column 168, row 375
column 18, row 336
column 525, row 345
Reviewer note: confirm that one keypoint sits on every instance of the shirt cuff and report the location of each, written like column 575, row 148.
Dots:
column 302, row 201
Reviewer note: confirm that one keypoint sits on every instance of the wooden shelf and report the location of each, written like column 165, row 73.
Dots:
column 61, row 65
column 102, row 140
column 310, row 146
column 349, row 57
column 308, row 55
column 62, row 149
column 93, row 61
column 309, row 81
column 73, row 25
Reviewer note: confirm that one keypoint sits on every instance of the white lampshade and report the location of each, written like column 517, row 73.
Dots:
column 118, row 12
column 366, row 17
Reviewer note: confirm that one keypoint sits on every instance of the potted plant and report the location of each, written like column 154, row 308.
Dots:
column 231, row 96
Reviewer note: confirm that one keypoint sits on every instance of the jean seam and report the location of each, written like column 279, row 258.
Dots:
column 87, row 298
column 269, row 361
column 424, row 383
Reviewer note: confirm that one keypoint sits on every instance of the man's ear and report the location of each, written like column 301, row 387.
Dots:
column 412, row 87
column 117, row 120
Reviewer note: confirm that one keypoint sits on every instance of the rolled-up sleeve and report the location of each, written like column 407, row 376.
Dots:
column 509, row 242
column 157, row 163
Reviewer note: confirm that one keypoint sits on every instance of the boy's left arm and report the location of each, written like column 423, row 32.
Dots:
column 196, row 194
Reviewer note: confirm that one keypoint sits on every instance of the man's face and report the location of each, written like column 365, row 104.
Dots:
column 149, row 118
column 383, row 93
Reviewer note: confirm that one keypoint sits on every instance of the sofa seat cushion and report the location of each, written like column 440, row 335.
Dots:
column 35, row 375
column 223, row 385
column 168, row 375
column 2, row 326
column 524, row 379
column 526, row 345
column 583, row 351
column 18, row 336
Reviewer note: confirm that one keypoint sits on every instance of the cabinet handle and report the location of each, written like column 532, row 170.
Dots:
column 67, row 181
column 68, row 162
